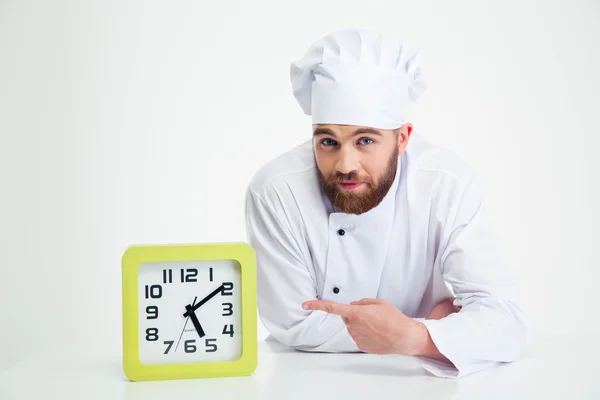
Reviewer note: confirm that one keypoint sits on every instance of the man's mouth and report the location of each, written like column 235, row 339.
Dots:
column 350, row 185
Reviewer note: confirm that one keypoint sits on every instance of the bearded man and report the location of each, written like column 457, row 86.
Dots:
column 368, row 237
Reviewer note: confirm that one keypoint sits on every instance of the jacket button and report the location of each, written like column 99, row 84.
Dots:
column 341, row 232
column 336, row 290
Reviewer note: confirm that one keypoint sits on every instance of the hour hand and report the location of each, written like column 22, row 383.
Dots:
column 195, row 321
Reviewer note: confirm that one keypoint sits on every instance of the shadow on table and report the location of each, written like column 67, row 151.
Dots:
column 294, row 374
column 545, row 370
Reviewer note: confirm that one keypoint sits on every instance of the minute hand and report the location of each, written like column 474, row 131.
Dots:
column 204, row 300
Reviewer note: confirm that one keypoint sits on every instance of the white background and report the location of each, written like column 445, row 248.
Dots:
column 129, row 122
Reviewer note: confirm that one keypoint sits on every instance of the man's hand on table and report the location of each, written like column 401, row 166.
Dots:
column 378, row 327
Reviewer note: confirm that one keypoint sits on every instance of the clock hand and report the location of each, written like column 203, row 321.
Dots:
column 195, row 321
column 183, row 330
column 203, row 301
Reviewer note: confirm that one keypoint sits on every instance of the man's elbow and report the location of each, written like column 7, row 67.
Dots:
column 310, row 335
column 293, row 340
column 294, row 335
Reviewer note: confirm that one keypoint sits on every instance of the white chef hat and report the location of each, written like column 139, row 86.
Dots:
column 357, row 77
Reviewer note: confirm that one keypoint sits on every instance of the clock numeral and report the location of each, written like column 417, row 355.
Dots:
column 152, row 334
column 189, row 346
column 210, row 274
column 189, row 275
column 228, row 331
column 154, row 291
column 211, row 347
column 227, row 286
column 169, row 343
column 152, row 312
column 167, row 276
column 227, row 307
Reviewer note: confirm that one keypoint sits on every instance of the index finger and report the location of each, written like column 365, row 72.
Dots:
column 328, row 306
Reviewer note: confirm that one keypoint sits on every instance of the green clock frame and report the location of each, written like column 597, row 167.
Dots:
column 134, row 256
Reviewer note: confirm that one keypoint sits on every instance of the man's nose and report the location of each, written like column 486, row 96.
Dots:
column 347, row 162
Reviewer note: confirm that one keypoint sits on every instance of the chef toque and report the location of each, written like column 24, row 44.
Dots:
column 357, row 77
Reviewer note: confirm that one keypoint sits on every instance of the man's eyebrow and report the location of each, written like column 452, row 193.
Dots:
column 361, row 131
column 323, row 131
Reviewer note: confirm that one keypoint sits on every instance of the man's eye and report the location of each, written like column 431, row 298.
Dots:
column 368, row 140
column 328, row 142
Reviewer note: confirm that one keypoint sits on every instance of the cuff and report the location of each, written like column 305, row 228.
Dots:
column 448, row 344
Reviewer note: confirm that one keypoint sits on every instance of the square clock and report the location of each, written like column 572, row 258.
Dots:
column 189, row 311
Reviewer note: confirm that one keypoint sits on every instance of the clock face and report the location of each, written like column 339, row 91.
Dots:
column 189, row 311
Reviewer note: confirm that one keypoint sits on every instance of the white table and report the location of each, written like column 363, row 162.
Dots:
column 552, row 368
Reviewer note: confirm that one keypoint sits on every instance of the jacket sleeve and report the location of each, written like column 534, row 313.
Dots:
column 491, row 328
column 285, row 280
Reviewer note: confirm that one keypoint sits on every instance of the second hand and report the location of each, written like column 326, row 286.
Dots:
column 186, row 321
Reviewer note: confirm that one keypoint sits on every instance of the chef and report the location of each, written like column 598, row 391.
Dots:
column 368, row 237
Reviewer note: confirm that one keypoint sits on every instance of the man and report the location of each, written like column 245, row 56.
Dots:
column 369, row 238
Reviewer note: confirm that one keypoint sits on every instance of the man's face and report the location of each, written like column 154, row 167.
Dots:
column 356, row 164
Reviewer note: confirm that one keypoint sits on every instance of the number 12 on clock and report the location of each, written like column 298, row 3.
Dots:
column 186, row 275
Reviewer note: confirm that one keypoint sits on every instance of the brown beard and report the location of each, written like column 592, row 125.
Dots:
column 354, row 203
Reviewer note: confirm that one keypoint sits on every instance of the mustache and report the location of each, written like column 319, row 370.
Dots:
column 352, row 176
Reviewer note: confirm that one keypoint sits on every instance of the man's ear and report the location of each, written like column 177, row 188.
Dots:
column 404, row 133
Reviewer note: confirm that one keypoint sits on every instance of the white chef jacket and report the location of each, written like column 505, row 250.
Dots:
column 428, row 240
